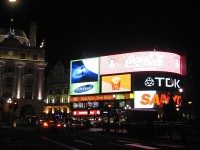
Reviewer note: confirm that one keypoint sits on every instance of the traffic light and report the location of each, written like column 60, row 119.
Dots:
column 15, row 106
column 88, row 110
column 109, row 108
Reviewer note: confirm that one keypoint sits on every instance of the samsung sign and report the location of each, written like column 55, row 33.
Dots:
column 158, row 81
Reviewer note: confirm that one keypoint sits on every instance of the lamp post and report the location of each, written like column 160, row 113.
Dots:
column 164, row 111
column 10, row 104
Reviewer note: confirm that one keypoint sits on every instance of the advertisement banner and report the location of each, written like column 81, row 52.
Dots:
column 116, row 83
column 84, row 76
column 155, row 99
column 141, row 61
column 91, row 98
column 158, row 81
column 85, row 112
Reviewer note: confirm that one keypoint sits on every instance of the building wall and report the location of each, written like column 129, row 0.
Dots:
column 21, row 77
column 57, row 92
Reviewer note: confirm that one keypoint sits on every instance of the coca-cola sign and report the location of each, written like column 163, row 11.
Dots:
column 151, row 60
column 141, row 61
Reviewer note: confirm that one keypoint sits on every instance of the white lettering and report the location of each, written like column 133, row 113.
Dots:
column 159, row 80
column 176, row 83
column 151, row 60
column 82, row 112
column 168, row 82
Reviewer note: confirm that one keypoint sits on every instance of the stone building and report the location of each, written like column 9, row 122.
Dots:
column 57, row 92
column 22, row 65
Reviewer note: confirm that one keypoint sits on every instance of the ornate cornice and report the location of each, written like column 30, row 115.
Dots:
column 41, row 65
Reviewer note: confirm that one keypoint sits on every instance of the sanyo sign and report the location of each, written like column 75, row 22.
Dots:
column 153, row 99
column 162, row 82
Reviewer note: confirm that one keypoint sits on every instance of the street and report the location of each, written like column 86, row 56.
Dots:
column 28, row 138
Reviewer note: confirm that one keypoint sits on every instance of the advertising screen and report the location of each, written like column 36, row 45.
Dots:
column 92, row 98
column 141, row 61
column 84, row 76
column 85, row 112
column 155, row 99
column 116, row 83
column 158, row 81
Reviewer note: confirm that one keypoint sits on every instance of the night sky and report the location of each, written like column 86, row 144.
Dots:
column 80, row 29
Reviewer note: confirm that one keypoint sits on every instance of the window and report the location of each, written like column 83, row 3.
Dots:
column 8, row 87
column 23, row 56
column 58, row 91
column 9, row 83
column 9, row 69
column 51, row 100
column 58, row 100
column 28, row 88
column 65, row 99
column 35, row 57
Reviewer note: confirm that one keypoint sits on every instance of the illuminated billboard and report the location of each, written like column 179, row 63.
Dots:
column 141, row 61
column 155, row 99
column 116, row 83
column 85, row 112
column 84, row 76
column 157, row 81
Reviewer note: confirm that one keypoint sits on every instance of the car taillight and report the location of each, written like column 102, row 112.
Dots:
column 45, row 124
column 58, row 125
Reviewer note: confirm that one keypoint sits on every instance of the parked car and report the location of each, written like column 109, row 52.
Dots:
column 66, row 121
column 74, row 124
column 50, row 124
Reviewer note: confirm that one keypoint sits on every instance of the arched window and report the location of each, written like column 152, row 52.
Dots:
column 28, row 88
column 8, row 88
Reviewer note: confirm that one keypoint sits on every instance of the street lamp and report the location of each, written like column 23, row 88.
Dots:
column 164, row 111
column 190, row 111
column 9, row 101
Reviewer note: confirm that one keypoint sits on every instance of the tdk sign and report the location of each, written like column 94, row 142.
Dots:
column 162, row 82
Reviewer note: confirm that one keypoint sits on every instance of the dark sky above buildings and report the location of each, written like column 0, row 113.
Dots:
column 75, row 29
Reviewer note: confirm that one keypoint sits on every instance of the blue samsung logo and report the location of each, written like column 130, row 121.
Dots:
column 84, row 88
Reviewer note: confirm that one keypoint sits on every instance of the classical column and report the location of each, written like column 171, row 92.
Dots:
column 40, row 86
column 19, row 65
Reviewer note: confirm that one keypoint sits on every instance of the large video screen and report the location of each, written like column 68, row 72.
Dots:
column 116, row 83
column 141, row 61
column 158, row 81
column 84, row 76
column 156, row 99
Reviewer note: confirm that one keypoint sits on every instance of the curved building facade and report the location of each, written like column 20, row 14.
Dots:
column 136, row 81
